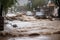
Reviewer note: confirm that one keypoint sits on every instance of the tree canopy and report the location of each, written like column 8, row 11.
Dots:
column 57, row 2
column 7, row 3
column 36, row 3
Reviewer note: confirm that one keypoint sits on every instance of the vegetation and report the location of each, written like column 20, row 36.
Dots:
column 36, row 3
column 56, row 2
column 5, row 4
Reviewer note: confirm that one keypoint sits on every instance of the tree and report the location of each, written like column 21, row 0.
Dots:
column 36, row 3
column 4, row 5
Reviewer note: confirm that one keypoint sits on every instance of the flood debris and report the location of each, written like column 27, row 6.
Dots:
column 29, row 25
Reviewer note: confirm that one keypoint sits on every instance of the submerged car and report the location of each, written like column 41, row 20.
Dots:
column 40, row 14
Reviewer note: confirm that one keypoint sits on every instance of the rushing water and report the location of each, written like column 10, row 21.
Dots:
column 47, row 37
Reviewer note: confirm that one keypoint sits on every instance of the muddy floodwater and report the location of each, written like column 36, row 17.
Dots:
column 41, row 37
column 26, row 25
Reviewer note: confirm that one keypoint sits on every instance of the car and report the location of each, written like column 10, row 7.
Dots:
column 40, row 15
column 29, row 13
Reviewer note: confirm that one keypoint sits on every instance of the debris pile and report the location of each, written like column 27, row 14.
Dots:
column 21, row 17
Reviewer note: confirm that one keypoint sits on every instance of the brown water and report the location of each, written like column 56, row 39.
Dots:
column 41, row 37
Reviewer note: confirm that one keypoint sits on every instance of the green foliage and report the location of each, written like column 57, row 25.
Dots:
column 36, row 3
column 28, row 7
column 57, row 2
column 7, row 3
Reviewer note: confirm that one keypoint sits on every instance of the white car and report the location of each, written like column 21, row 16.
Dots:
column 29, row 13
column 40, row 15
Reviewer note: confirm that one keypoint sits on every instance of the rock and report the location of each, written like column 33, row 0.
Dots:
column 34, row 34
column 58, row 32
column 14, row 25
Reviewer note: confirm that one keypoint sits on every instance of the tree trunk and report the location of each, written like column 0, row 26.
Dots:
column 1, row 19
column 59, row 12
